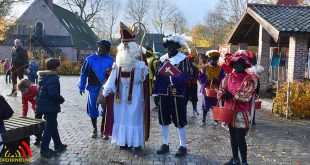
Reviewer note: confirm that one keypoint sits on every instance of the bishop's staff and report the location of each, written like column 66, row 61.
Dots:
column 142, row 27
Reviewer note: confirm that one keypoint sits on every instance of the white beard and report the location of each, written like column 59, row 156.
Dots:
column 128, row 56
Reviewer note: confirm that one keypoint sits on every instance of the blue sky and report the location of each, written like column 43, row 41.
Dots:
column 194, row 10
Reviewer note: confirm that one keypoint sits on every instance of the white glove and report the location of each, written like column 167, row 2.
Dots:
column 154, row 95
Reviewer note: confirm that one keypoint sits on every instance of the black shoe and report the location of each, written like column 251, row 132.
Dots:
column 163, row 149
column 233, row 162
column 137, row 150
column 37, row 142
column 94, row 133
column 13, row 94
column 61, row 148
column 244, row 164
column 124, row 147
column 203, row 122
column 181, row 152
column 48, row 153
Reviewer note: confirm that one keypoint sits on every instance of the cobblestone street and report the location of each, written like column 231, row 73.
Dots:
column 272, row 141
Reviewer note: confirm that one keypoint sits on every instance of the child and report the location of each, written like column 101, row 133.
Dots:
column 48, row 103
column 29, row 93
column 7, row 70
column 33, row 69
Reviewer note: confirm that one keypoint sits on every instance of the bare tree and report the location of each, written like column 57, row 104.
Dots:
column 87, row 9
column 137, row 10
column 6, row 6
column 111, row 15
column 162, row 15
column 178, row 22
column 216, row 27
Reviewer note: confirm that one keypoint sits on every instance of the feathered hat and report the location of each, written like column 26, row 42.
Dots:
column 213, row 53
column 127, row 35
column 240, row 55
column 178, row 39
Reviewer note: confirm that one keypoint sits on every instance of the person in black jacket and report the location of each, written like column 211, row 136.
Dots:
column 48, row 103
column 19, row 63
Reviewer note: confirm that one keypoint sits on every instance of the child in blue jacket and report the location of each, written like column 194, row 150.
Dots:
column 48, row 103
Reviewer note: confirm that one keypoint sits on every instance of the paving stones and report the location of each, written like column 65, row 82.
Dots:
column 268, row 143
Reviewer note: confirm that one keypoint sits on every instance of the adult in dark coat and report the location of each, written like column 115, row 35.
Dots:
column 19, row 63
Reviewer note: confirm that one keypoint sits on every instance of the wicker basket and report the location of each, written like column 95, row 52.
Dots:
column 258, row 105
column 222, row 114
column 211, row 92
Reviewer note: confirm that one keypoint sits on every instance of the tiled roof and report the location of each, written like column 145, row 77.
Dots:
column 284, row 18
column 82, row 35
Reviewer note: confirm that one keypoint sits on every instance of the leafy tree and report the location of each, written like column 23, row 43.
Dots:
column 200, row 36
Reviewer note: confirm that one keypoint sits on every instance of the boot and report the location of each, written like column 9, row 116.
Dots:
column 181, row 151
column 61, row 148
column 195, row 112
column 94, row 123
column 13, row 93
column 163, row 149
column 233, row 162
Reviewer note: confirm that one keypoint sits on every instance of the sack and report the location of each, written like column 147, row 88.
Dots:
column 100, row 97
column 6, row 111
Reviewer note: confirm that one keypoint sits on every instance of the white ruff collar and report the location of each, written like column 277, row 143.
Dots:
column 174, row 60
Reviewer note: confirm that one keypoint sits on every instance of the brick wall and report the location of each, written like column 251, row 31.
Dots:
column 297, row 57
column 264, row 56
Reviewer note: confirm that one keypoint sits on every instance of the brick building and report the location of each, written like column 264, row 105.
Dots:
column 51, row 30
column 284, row 25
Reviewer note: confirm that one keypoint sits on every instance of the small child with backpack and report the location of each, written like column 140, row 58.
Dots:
column 33, row 69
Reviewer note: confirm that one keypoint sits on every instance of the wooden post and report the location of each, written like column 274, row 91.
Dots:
column 288, row 101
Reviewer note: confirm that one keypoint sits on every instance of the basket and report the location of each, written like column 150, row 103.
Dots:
column 211, row 92
column 258, row 105
column 223, row 114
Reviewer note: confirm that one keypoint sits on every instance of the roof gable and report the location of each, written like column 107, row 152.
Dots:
column 277, row 20
column 82, row 35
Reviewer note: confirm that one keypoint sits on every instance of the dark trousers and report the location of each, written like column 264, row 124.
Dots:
column 172, row 108
column 38, row 116
column 238, row 143
column 50, row 131
column 156, row 100
column 191, row 94
column 16, row 72
column 8, row 76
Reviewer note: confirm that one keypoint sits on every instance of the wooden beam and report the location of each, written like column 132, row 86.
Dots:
column 236, row 27
column 249, row 30
column 274, row 33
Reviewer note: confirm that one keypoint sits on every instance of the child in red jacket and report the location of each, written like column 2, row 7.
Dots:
column 29, row 93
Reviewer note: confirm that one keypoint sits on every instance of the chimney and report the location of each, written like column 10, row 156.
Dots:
column 49, row 3
column 288, row 2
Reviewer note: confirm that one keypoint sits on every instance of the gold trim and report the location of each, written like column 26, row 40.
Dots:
column 105, row 115
column 160, row 111
column 176, row 110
